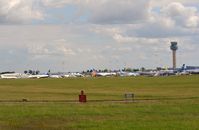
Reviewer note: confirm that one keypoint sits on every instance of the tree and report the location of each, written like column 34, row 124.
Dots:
column 135, row 70
column 48, row 72
column 37, row 72
column 105, row 70
column 128, row 70
column 33, row 72
column 143, row 69
column 124, row 69
column 30, row 71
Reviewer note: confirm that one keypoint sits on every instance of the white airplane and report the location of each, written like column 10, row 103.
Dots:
column 128, row 73
column 76, row 74
column 148, row 73
column 105, row 74
column 66, row 75
column 13, row 76
column 193, row 71
column 189, row 69
column 55, row 76
column 38, row 76
column 73, row 74
column 165, row 73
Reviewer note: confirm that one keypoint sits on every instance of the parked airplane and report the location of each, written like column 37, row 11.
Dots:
column 38, row 76
column 105, row 74
column 13, row 76
column 55, row 76
column 190, row 69
column 165, row 73
column 122, row 73
column 194, row 71
column 76, row 74
column 73, row 74
column 148, row 73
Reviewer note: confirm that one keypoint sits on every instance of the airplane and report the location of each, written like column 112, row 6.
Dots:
column 55, row 76
column 73, row 74
column 165, row 73
column 189, row 69
column 13, row 76
column 194, row 71
column 148, row 73
column 38, row 76
column 122, row 73
column 76, row 74
column 105, row 74
column 96, row 73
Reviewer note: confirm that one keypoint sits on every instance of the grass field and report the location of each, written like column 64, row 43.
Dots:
column 175, row 104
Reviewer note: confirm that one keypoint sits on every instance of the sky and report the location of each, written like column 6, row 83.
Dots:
column 76, row 35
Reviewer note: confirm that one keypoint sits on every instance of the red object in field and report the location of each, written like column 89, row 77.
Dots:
column 82, row 97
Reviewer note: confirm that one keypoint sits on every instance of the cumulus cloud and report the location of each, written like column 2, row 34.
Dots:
column 168, row 21
column 121, row 36
column 50, row 50
column 20, row 11
column 166, row 2
column 57, row 3
column 182, row 15
column 109, row 31
column 135, row 40
column 106, row 11
column 116, row 12
column 26, row 11
column 102, row 12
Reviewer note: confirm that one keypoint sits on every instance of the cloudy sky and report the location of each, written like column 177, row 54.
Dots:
column 75, row 35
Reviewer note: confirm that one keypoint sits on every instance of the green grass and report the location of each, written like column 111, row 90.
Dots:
column 178, row 114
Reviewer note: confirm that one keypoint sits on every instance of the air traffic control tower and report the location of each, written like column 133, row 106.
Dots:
column 174, row 48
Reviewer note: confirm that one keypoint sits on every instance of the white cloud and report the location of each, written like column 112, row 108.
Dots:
column 57, row 3
column 109, row 31
column 119, row 34
column 56, row 48
column 102, row 12
column 116, row 12
column 166, row 2
column 182, row 15
column 19, row 11
column 168, row 21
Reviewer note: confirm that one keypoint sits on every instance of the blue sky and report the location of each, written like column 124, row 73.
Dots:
column 68, row 35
